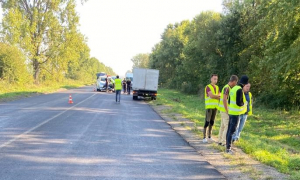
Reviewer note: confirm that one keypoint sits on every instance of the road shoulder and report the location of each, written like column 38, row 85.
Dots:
column 238, row 166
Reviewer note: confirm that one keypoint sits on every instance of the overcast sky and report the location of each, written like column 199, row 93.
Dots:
column 117, row 30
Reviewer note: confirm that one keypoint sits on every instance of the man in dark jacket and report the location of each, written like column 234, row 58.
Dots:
column 124, row 85
column 128, row 86
column 237, row 105
column 106, row 84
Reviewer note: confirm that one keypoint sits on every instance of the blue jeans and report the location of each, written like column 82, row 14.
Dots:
column 233, row 123
column 240, row 127
column 118, row 93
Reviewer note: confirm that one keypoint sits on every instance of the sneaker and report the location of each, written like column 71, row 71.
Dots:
column 229, row 151
column 204, row 140
column 210, row 139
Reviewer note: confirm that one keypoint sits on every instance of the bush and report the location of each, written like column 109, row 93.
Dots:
column 13, row 68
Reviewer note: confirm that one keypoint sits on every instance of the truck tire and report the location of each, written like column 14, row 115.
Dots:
column 134, row 97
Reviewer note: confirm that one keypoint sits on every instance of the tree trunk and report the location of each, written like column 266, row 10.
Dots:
column 36, row 71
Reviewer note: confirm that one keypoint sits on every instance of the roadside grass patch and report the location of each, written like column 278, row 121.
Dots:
column 270, row 136
column 10, row 91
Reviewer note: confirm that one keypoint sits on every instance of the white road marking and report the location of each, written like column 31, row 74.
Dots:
column 39, row 125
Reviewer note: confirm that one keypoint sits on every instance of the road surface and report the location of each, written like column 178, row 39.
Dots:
column 44, row 137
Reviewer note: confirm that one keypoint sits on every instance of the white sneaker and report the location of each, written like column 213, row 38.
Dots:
column 204, row 140
column 211, row 139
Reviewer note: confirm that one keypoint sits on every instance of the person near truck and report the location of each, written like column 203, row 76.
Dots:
column 128, row 85
column 243, row 117
column 118, row 88
column 212, row 96
column 106, row 83
column 237, row 105
column 223, row 108
column 124, row 85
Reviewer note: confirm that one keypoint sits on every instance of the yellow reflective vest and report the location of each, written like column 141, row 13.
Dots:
column 233, row 108
column 221, row 105
column 209, row 102
column 118, row 84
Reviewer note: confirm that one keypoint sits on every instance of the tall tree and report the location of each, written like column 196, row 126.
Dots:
column 140, row 60
column 46, row 30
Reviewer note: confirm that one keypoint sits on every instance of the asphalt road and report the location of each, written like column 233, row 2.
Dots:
column 44, row 137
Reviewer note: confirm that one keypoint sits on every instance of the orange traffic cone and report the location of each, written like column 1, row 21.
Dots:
column 70, row 99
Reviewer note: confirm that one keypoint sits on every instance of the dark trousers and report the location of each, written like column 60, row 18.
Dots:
column 209, row 121
column 124, row 88
column 232, row 125
column 118, row 94
column 128, row 89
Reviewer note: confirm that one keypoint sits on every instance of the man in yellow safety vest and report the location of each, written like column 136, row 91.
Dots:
column 237, row 105
column 243, row 117
column 118, row 88
column 223, row 108
column 212, row 96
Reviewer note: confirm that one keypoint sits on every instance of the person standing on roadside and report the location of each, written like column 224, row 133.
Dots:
column 106, row 83
column 237, row 105
column 223, row 108
column 128, row 86
column 118, row 88
column 243, row 117
column 124, row 85
column 212, row 96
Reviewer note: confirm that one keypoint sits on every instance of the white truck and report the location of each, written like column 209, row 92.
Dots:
column 145, row 83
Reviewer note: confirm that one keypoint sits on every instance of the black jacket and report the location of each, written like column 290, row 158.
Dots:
column 239, row 96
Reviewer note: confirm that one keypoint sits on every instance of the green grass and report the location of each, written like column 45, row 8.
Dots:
column 270, row 136
column 14, row 91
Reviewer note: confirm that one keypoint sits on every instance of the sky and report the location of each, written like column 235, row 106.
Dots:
column 117, row 30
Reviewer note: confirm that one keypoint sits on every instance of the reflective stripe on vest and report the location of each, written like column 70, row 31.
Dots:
column 221, row 105
column 233, row 108
column 209, row 102
column 118, row 84
column 250, row 104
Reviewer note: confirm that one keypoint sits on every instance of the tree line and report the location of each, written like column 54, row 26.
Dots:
column 40, row 41
column 259, row 38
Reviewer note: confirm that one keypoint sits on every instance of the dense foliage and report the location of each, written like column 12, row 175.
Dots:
column 40, row 40
column 254, row 37
column 140, row 61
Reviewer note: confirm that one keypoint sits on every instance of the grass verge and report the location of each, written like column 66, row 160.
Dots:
column 14, row 91
column 270, row 136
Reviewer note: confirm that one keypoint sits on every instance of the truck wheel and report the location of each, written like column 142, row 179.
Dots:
column 134, row 97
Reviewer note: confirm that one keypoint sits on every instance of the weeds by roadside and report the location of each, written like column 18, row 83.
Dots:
column 269, row 136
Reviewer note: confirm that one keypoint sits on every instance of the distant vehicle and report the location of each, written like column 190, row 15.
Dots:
column 101, row 74
column 130, row 77
column 101, row 83
column 145, row 83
